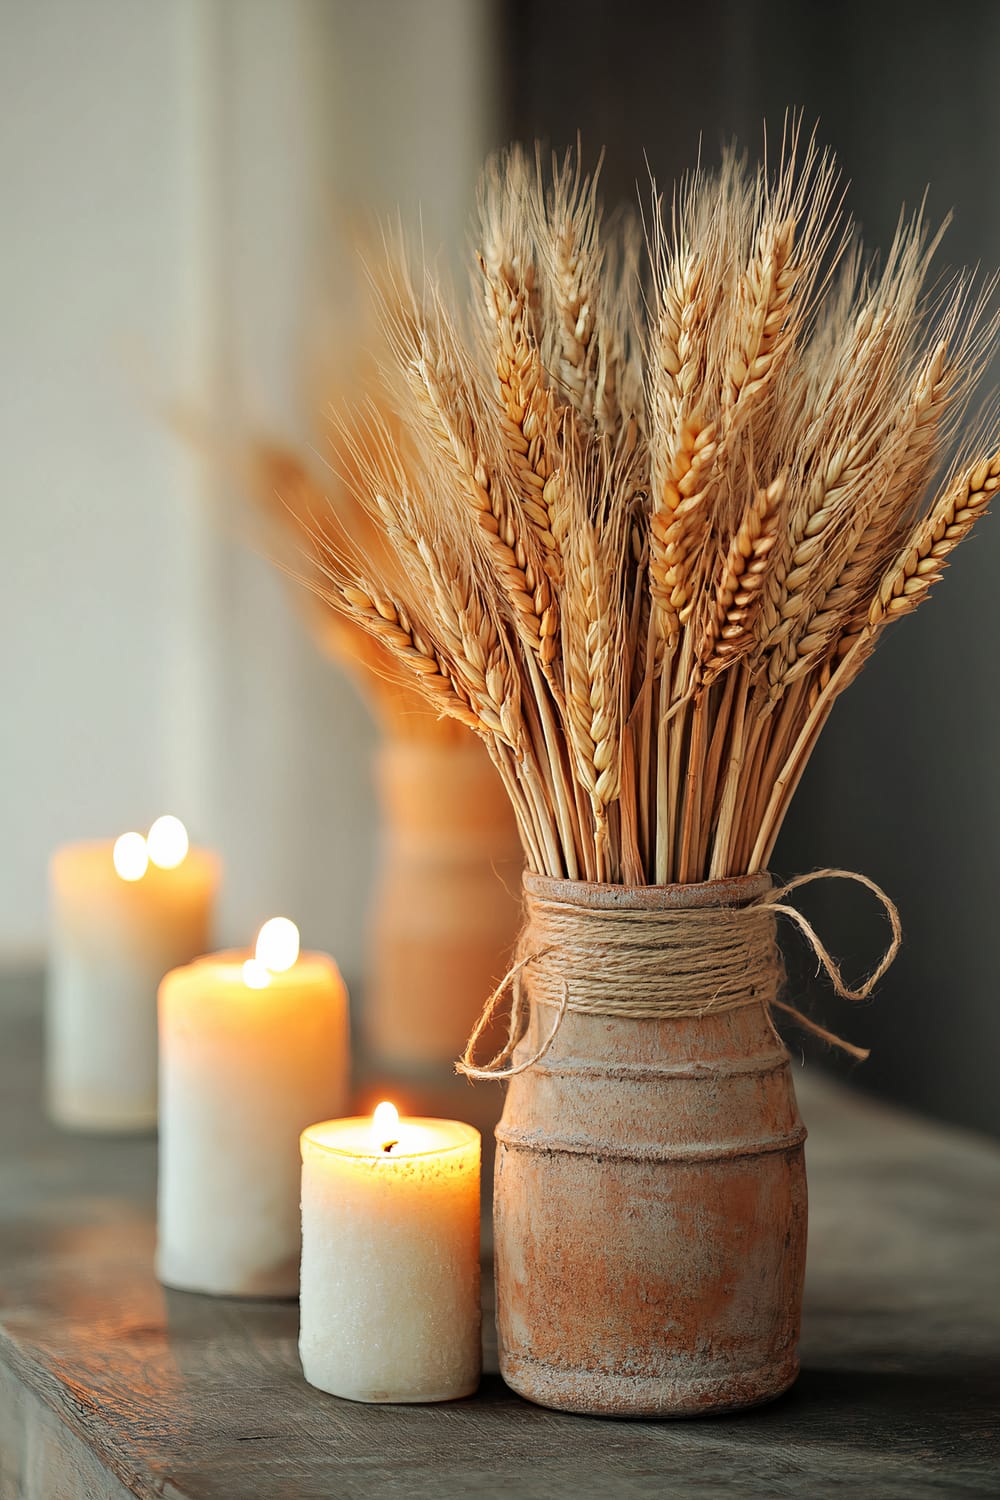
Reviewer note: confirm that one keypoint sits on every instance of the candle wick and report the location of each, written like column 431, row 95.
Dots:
column 389, row 1145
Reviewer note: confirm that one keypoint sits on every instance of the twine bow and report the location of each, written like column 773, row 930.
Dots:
column 729, row 948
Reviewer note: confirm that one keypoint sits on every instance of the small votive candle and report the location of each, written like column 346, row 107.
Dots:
column 389, row 1296
column 121, row 915
column 251, row 1048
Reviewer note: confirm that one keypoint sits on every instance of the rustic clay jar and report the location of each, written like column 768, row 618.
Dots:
column 650, row 1201
column 446, row 905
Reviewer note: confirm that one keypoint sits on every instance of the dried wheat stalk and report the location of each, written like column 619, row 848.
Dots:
column 640, row 519
column 294, row 502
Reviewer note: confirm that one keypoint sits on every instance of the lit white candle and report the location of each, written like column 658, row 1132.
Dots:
column 251, row 1048
column 389, row 1296
column 122, row 914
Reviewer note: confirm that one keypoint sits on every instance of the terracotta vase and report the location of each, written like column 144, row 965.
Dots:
column 445, row 913
column 650, row 1201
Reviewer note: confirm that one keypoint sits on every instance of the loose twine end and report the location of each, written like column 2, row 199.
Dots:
column 723, row 954
column 500, row 1065
column 824, row 958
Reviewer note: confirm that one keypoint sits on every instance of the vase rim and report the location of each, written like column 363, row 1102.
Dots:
column 731, row 890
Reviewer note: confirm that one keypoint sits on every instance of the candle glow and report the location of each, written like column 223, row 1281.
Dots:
column 275, row 952
column 167, row 842
column 277, row 945
column 255, row 976
column 166, row 846
column 130, row 856
column 385, row 1126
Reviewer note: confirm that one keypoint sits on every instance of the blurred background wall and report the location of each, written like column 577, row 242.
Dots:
column 178, row 180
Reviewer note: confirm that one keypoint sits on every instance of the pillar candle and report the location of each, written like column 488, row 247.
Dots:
column 248, row 1055
column 113, row 936
column 389, row 1296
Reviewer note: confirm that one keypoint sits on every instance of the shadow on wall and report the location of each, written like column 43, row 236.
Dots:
column 903, row 786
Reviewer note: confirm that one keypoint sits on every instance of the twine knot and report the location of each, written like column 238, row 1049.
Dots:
column 659, row 962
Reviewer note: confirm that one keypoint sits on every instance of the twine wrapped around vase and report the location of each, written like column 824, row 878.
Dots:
column 634, row 961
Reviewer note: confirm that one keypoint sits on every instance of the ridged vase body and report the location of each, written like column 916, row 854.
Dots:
column 650, row 1204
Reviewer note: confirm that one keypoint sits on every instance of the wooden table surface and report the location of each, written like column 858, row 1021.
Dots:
column 111, row 1386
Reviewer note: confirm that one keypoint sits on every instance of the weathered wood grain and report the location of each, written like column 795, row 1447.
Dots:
column 109, row 1385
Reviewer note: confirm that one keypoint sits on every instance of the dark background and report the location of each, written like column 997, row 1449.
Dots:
column 904, row 785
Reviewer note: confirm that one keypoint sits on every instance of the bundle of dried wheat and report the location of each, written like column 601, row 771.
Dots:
column 643, row 519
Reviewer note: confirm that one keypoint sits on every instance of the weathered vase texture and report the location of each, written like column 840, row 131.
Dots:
column 650, row 1198
column 446, row 906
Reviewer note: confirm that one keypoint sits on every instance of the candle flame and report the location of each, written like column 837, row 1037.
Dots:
column 277, row 945
column 385, row 1126
column 130, row 856
column 255, row 976
column 167, row 842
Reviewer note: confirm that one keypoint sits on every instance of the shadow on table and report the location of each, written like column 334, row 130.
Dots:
column 965, row 1388
column 949, row 1406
